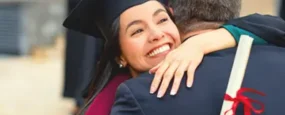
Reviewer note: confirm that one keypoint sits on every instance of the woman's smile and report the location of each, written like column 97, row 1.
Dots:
column 163, row 49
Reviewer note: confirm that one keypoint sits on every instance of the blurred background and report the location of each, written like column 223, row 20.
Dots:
column 35, row 76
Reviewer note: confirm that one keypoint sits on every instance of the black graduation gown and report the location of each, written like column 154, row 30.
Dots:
column 282, row 9
column 80, row 58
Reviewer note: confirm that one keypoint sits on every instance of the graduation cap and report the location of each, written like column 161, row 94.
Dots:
column 164, row 2
column 95, row 17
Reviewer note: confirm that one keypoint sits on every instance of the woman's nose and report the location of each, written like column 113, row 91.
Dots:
column 156, row 35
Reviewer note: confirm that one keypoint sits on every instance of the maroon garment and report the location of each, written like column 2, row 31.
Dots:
column 103, row 103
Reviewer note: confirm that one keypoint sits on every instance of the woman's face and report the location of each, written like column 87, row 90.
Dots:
column 147, row 35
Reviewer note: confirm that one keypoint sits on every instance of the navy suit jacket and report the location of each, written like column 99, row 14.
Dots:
column 269, row 28
column 264, row 72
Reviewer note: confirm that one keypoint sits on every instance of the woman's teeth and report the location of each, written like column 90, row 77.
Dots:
column 160, row 50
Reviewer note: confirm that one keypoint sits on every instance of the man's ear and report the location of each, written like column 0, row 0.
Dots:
column 121, row 60
column 171, row 10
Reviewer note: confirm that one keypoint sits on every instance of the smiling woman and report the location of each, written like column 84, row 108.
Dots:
column 138, row 34
column 146, row 35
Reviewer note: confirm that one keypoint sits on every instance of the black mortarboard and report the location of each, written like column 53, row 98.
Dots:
column 95, row 17
column 164, row 2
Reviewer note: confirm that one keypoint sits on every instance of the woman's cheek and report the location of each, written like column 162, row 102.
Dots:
column 173, row 33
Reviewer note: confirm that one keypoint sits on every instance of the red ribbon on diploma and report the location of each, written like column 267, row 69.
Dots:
column 240, row 98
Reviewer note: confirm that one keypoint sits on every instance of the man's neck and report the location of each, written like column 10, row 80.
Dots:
column 199, row 26
column 193, row 33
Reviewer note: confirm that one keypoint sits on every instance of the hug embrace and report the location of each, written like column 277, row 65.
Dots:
column 176, row 57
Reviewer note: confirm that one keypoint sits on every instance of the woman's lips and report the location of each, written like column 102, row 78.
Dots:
column 159, row 50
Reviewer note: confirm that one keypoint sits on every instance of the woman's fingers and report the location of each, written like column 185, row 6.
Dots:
column 154, row 69
column 161, row 68
column 178, row 77
column 158, row 77
column 167, row 77
column 190, row 73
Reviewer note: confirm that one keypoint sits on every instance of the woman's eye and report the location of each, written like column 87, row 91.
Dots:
column 137, row 31
column 162, row 20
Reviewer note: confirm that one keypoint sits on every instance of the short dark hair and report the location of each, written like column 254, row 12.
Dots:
column 189, row 12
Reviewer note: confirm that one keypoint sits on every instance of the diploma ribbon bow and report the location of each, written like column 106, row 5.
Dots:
column 240, row 98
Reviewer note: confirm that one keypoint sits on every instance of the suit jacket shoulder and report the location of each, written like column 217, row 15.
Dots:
column 125, row 103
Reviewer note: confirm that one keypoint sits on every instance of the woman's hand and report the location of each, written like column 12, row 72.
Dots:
column 186, row 57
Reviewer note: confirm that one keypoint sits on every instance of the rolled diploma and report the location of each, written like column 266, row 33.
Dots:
column 238, row 71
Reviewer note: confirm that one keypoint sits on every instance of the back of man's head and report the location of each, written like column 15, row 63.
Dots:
column 191, row 15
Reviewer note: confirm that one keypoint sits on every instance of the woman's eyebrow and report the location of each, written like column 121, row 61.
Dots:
column 133, row 23
column 158, row 11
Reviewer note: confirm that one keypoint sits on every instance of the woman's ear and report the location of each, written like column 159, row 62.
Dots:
column 121, row 61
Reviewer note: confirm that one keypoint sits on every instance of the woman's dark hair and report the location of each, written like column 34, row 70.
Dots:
column 107, row 66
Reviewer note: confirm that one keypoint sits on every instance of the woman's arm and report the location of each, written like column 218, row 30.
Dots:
column 237, row 32
column 270, row 28
column 262, row 28
column 211, row 41
column 226, row 37
column 189, row 55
